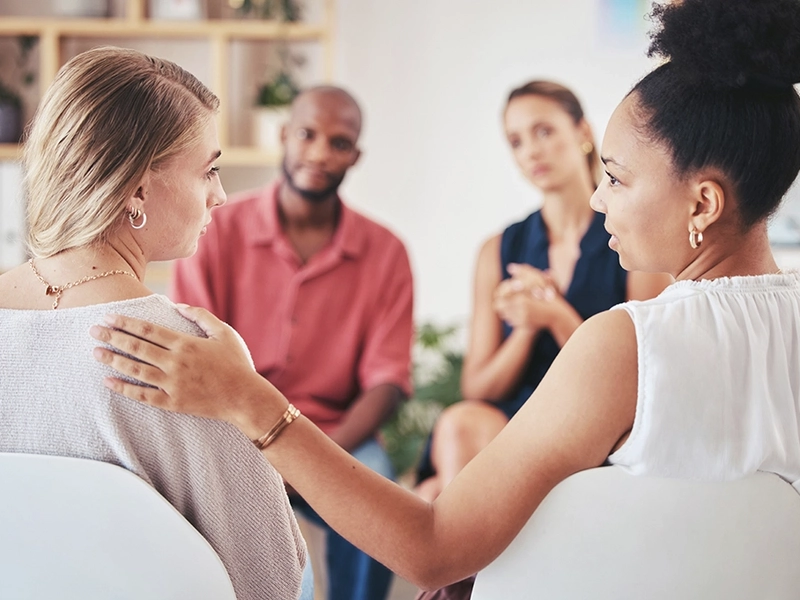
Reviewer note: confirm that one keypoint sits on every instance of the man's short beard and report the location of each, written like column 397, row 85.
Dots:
column 315, row 196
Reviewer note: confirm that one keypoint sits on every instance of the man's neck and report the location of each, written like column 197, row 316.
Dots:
column 298, row 213
column 309, row 226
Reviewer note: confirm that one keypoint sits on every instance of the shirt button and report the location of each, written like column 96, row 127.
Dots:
column 289, row 358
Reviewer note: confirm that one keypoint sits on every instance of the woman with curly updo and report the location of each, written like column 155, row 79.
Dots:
column 702, row 382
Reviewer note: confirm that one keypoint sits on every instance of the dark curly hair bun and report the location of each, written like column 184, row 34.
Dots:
column 730, row 43
column 724, row 98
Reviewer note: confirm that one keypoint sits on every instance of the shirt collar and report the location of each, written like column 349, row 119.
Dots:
column 349, row 238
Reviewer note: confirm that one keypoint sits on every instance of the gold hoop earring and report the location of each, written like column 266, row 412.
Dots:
column 587, row 147
column 695, row 238
column 133, row 216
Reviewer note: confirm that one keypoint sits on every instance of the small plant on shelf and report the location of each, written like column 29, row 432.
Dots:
column 9, row 97
column 282, row 10
column 280, row 87
column 273, row 98
column 11, row 103
column 278, row 91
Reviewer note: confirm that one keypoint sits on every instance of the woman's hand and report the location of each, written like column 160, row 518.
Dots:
column 209, row 377
column 527, row 310
column 528, row 300
column 535, row 281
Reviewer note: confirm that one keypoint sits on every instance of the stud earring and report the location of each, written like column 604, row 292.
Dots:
column 587, row 147
column 695, row 238
column 133, row 216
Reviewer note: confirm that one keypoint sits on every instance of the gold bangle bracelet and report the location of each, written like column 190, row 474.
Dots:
column 265, row 440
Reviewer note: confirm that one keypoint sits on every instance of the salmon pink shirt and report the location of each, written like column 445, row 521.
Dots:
column 321, row 332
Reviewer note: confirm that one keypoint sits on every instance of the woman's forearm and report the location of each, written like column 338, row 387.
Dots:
column 387, row 522
column 429, row 544
column 500, row 373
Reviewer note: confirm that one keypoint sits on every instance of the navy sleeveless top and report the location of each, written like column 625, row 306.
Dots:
column 598, row 283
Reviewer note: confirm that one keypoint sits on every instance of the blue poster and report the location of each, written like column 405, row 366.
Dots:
column 623, row 22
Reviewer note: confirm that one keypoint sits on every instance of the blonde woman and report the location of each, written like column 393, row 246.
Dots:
column 120, row 171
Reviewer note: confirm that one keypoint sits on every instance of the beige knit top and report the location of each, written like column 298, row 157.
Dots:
column 52, row 401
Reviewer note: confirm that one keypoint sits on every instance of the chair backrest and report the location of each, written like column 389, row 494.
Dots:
column 605, row 534
column 82, row 529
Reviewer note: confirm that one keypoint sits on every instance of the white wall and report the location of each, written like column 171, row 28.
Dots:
column 432, row 77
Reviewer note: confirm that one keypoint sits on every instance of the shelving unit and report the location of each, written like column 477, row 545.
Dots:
column 9, row 151
column 218, row 33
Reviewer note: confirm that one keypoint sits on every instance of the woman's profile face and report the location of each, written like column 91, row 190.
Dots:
column 179, row 197
column 546, row 141
column 646, row 202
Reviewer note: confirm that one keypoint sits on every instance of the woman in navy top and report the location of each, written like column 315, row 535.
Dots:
column 534, row 283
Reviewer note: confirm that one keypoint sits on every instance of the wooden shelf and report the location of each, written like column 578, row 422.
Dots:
column 10, row 152
column 230, row 29
column 219, row 34
column 248, row 157
column 234, row 156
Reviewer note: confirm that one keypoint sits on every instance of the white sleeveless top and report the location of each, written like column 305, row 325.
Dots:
column 719, row 380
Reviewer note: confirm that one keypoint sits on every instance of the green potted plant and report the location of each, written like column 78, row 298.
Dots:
column 10, row 115
column 11, row 105
column 438, row 360
column 272, row 103
column 285, row 10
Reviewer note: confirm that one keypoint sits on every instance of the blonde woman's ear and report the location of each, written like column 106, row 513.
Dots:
column 134, row 209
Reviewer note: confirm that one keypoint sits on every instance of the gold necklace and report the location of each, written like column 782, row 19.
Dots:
column 57, row 290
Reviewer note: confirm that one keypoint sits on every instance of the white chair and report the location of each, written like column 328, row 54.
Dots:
column 83, row 530
column 604, row 534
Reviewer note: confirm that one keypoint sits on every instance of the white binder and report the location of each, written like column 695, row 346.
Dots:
column 12, row 217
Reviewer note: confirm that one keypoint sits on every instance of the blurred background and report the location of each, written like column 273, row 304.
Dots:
column 431, row 76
